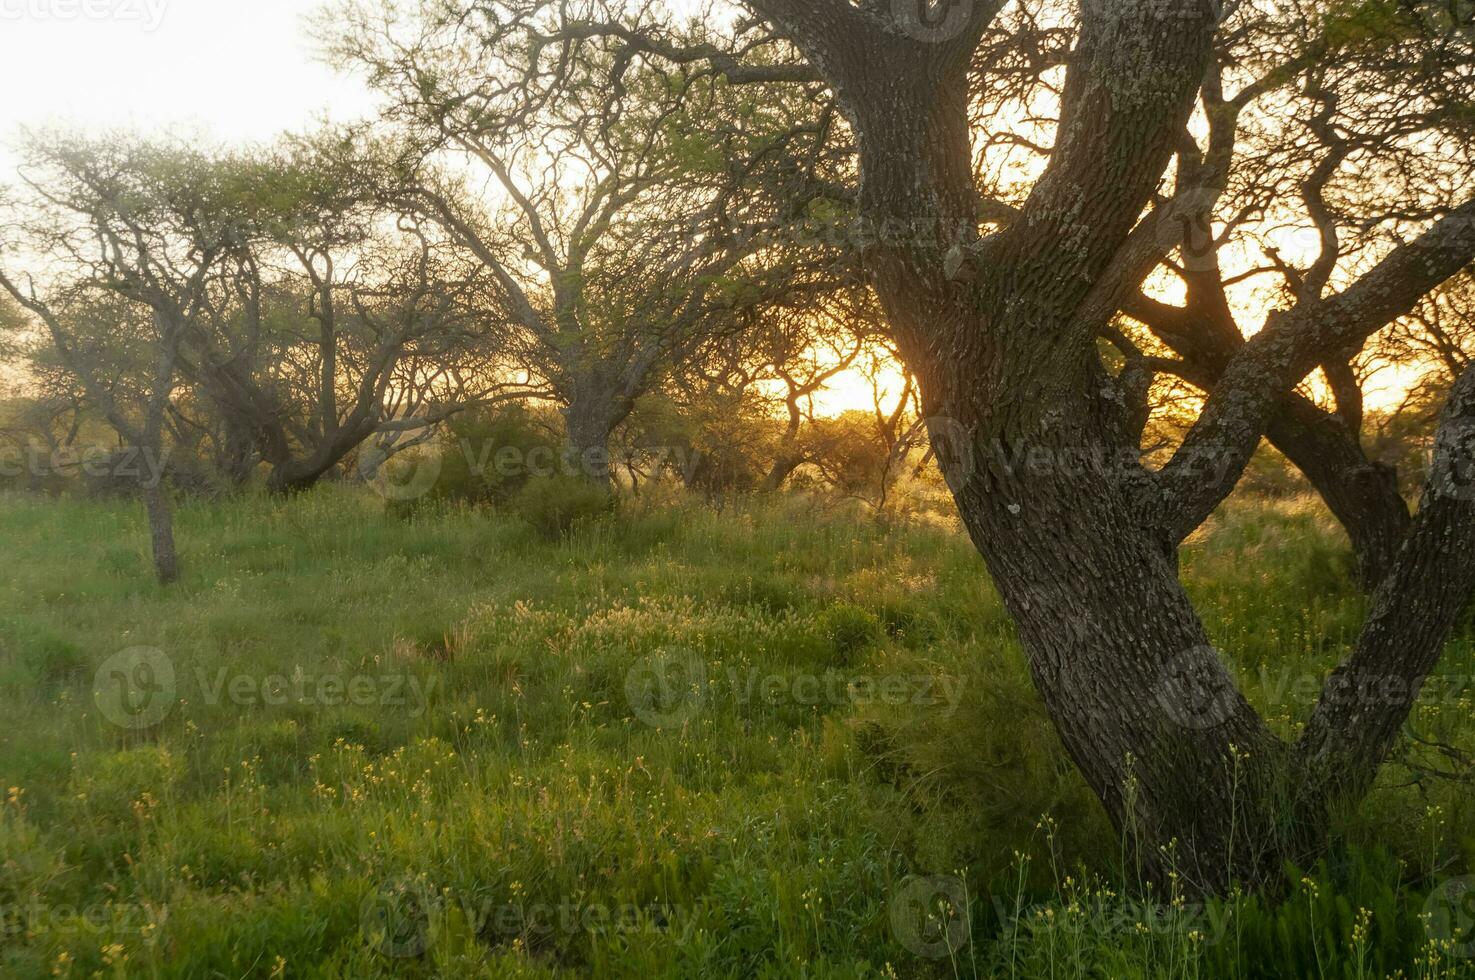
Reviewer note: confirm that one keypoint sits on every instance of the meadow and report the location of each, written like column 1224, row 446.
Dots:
column 775, row 738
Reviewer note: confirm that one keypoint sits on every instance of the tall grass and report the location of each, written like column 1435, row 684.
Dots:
column 775, row 740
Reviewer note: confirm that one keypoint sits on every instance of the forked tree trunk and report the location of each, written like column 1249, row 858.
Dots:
column 1183, row 764
column 1361, row 493
column 1001, row 335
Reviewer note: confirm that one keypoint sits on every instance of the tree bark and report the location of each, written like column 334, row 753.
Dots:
column 1361, row 493
column 1432, row 580
column 1142, row 702
column 161, row 531
column 781, row 470
column 597, row 408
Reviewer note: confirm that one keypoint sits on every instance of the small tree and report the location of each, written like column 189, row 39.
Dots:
column 129, row 245
column 337, row 320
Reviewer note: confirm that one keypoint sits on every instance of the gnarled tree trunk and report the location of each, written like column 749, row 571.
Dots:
column 597, row 407
column 1001, row 335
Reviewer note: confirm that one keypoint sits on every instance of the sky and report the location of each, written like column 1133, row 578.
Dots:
column 234, row 70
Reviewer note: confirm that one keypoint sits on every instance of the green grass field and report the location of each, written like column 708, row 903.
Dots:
column 765, row 741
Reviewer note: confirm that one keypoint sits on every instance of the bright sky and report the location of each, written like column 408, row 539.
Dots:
column 229, row 69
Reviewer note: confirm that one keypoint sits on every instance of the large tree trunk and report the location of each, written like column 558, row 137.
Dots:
column 1142, row 702
column 593, row 413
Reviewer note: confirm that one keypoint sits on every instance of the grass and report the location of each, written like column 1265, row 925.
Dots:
column 775, row 740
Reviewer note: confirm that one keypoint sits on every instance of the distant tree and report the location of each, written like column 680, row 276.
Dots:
column 130, row 244
column 627, row 204
column 751, row 394
column 337, row 321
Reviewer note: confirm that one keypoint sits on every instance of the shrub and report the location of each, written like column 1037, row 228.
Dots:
column 488, row 457
column 850, row 629
column 554, row 505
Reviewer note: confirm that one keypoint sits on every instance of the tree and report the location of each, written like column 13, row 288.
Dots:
column 1002, row 329
column 130, row 245
column 738, row 385
column 627, row 206
column 337, row 320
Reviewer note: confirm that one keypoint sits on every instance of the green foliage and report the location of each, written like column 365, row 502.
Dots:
column 851, row 629
column 1375, row 23
column 485, row 456
column 555, row 505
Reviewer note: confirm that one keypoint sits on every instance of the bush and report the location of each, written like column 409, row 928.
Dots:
column 555, row 505
column 487, row 457
column 851, row 630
